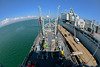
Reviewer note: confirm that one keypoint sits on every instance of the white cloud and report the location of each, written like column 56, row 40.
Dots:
column 11, row 20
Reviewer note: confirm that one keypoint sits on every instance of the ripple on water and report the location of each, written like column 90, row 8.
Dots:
column 15, row 42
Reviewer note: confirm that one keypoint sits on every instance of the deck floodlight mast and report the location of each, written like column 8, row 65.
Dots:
column 57, row 20
column 40, row 11
column 58, row 11
column 75, row 20
column 40, row 19
column 49, row 16
column 74, row 26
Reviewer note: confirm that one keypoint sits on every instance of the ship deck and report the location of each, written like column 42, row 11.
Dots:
column 49, row 56
column 52, row 50
column 43, row 62
column 78, row 48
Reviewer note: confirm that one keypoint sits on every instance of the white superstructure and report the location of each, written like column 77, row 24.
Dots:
column 73, row 18
column 81, row 23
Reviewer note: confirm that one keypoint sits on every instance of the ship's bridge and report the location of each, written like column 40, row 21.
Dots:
column 49, row 27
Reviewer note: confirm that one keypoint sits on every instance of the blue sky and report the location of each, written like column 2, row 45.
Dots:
column 86, row 9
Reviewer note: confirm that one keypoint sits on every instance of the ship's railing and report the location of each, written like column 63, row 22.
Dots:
column 24, row 61
column 39, row 35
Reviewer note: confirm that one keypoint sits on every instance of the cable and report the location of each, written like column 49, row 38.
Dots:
column 93, row 54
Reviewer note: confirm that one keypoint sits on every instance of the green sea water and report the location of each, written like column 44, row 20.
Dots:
column 16, row 40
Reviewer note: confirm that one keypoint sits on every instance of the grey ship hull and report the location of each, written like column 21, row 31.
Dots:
column 89, row 41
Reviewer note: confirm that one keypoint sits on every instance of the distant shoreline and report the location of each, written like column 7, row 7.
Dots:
column 13, row 22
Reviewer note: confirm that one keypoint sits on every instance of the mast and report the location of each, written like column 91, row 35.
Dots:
column 58, row 12
column 93, row 28
column 49, row 16
column 97, row 27
column 74, row 26
column 40, row 19
column 38, row 27
column 71, row 11
column 56, row 20
column 75, row 21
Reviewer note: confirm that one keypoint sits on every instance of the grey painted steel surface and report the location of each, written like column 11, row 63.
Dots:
column 88, row 41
